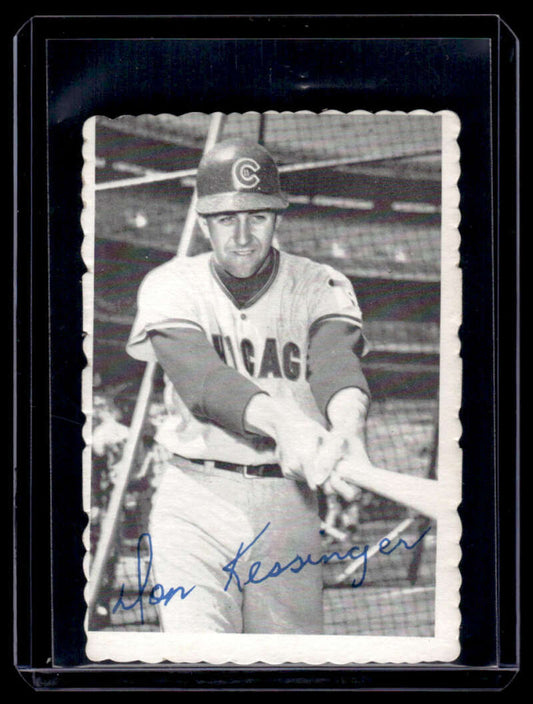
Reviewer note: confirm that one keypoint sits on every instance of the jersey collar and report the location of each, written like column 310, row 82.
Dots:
column 255, row 286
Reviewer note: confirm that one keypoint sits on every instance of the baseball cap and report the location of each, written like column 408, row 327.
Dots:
column 238, row 175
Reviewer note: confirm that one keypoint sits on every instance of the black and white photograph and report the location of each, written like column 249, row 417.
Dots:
column 266, row 352
column 271, row 310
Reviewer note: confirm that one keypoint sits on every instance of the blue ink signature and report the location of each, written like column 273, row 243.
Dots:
column 157, row 594
column 298, row 562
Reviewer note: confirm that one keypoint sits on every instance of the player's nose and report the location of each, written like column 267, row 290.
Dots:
column 243, row 230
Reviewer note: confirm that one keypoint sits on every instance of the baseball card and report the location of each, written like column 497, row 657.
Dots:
column 264, row 318
column 291, row 261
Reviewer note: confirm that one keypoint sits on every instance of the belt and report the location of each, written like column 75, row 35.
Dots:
column 247, row 470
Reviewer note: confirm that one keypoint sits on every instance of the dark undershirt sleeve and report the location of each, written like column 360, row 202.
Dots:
column 333, row 360
column 209, row 388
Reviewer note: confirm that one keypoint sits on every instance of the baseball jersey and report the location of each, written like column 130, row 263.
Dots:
column 266, row 340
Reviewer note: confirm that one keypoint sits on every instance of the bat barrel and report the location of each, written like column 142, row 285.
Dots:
column 421, row 494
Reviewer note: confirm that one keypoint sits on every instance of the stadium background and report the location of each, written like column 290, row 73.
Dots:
column 365, row 194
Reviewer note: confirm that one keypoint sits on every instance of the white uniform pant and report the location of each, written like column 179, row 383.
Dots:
column 204, row 519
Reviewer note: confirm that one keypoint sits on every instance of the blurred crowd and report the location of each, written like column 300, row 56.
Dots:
column 109, row 437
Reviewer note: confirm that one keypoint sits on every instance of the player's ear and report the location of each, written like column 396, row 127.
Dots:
column 279, row 218
column 202, row 221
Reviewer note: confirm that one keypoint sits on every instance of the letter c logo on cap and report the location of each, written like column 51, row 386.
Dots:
column 243, row 173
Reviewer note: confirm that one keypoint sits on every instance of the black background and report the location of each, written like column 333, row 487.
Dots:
column 114, row 77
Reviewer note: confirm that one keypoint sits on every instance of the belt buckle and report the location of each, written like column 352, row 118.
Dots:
column 246, row 467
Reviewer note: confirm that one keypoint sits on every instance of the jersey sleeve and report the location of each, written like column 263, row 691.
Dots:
column 331, row 297
column 336, row 339
column 333, row 361
column 207, row 386
column 165, row 300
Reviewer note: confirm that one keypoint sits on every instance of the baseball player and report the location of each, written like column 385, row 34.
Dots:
column 260, row 351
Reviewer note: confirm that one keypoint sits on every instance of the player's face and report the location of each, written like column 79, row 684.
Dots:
column 241, row 240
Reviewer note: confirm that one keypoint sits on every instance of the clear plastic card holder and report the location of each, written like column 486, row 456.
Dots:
column 351, row 243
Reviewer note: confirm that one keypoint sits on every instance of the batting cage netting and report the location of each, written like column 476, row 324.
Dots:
column 365, row 197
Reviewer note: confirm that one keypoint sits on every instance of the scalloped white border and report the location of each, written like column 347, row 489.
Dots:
column 246, row 649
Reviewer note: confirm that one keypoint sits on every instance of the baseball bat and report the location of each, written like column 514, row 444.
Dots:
column 125, row 466
column 421, row 494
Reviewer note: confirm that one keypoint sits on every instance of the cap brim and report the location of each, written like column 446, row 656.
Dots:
column 231, row 202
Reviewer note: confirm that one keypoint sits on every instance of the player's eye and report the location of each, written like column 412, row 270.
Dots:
column 226, row 219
